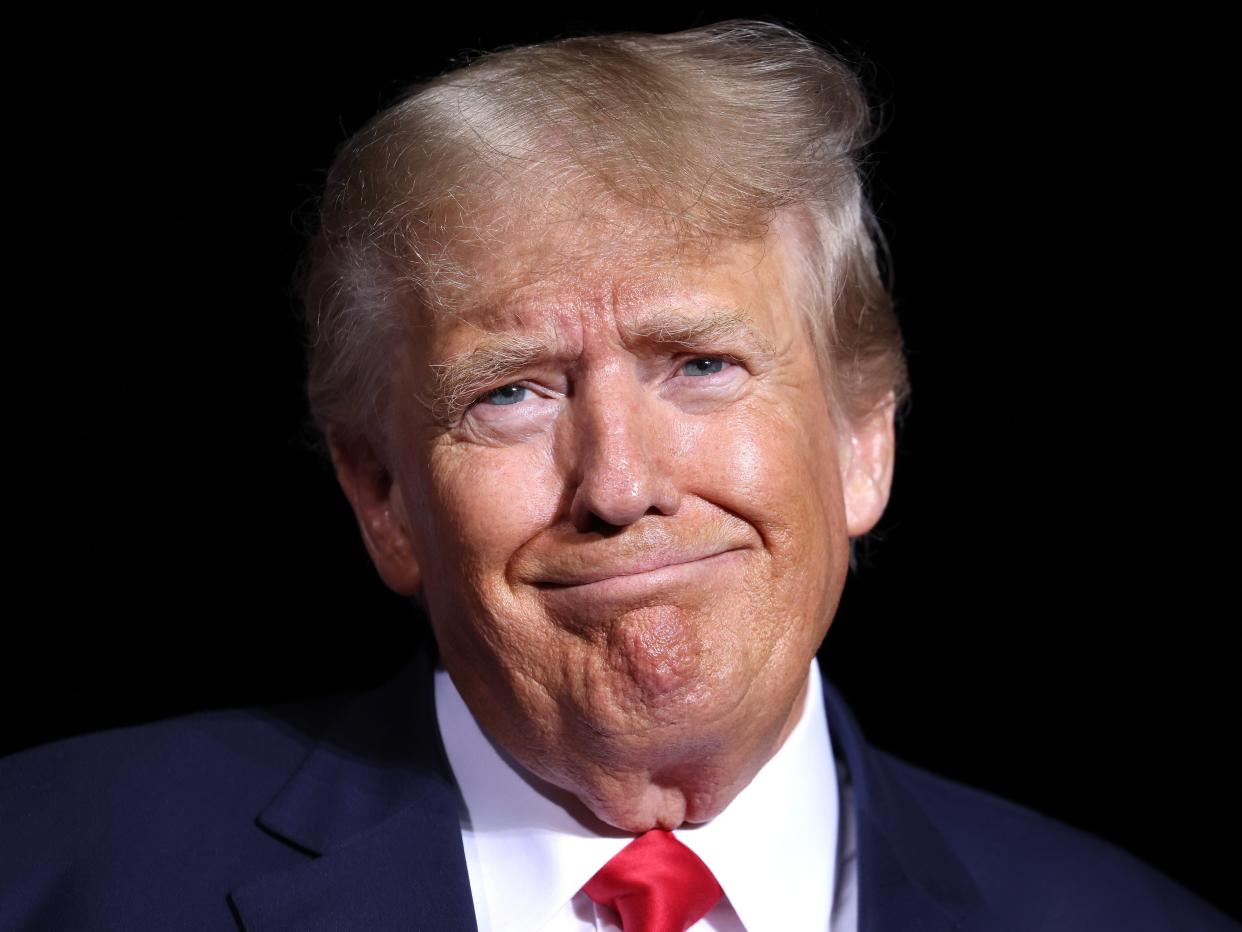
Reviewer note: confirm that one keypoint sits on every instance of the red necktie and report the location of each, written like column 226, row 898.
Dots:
column 656, row 884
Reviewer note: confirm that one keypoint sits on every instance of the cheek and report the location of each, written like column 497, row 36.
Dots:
column 773, row 471
column 485, row 503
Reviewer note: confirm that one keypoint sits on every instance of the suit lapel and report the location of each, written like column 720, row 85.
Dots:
column 375, row 805
column 908, row 877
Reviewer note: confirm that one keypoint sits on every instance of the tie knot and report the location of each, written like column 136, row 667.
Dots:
column 656, row 884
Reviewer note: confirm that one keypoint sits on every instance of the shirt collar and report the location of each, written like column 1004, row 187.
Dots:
column 532, row 846
column 780, row 831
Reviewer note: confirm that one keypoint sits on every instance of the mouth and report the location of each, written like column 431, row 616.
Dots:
column 645, row 572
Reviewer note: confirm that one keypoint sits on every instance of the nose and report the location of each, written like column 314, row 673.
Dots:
column 625, row 446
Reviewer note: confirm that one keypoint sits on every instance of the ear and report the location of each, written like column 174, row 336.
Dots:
column 867, row 467
column 380, row 510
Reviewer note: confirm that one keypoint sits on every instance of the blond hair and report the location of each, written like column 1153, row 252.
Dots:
column 709, row 134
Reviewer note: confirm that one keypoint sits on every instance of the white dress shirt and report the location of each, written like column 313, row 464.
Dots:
column 783, row 850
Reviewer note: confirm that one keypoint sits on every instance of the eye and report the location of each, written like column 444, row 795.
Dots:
column 505, row 395
column 704, row 365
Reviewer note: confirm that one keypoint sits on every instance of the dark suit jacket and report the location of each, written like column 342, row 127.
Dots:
column 343, row 815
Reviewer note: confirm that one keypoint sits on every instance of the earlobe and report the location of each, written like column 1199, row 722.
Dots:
column 868, row 469
column 379, row 508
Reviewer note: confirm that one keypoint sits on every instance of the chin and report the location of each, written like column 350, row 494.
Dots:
column 672, row 666
column 683, row 788
column 665, row 807
column 652, row 807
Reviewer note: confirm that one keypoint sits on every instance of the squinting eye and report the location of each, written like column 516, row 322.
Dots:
column 505, row 395
column 708, row 365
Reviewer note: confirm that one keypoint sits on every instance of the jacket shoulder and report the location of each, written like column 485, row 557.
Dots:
column 145, row 825
column 1034, row 872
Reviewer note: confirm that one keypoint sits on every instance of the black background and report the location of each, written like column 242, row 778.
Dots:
column 1049, row 608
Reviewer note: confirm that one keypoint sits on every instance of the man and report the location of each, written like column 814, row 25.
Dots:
column 606, row 372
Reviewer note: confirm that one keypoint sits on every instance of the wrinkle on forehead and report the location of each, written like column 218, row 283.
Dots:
column 496, row 243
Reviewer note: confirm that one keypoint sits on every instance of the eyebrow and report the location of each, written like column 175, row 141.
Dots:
column 670, row 328
column 461, row 379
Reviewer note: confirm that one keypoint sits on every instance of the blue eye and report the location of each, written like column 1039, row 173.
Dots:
column 505, row 395
column 708, row 365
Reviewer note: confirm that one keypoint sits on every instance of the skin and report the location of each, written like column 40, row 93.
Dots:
column 631, row 565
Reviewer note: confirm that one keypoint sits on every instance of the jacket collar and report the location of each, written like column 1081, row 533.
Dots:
column 376, row 804
column 908, row 876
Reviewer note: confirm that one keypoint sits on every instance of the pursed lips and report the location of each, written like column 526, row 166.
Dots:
column 632, row 567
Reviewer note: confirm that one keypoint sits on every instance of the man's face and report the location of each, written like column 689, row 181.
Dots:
column 623, row 491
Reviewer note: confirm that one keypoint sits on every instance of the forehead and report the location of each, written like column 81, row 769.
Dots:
column 556, row 286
